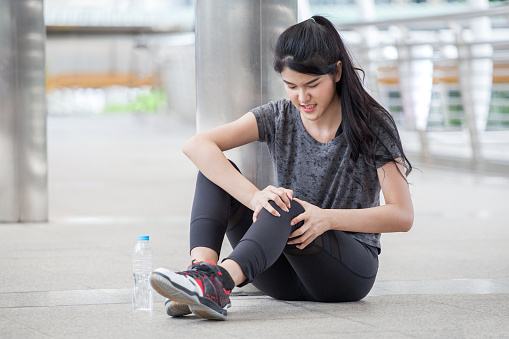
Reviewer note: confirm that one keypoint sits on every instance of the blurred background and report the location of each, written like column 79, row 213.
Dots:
column 424, row 60
column 97, row 98
column 441, row 68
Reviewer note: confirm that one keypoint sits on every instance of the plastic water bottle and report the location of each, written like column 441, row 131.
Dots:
column 142, row 267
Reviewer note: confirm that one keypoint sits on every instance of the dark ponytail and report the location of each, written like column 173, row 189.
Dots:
column 314, row 46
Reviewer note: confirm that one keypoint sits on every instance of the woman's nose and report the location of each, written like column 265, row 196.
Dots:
column 303, row 95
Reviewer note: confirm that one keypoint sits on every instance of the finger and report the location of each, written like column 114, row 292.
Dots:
column 302, row 202
column 277, row 199
column 296, row 235
column 289, row 194
column 292, row 242
column 281, row 193
column 297, row 219
column 285, row 198
column 305, row 240
column 271, row 209
column 297, row 240
column 303, row 245
column 298, row 232
column 306, row 243
column 255, row 213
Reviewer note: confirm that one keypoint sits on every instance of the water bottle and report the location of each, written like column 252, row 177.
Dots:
column 142, row 267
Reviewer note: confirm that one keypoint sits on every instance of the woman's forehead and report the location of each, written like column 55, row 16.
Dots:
column 292, row 76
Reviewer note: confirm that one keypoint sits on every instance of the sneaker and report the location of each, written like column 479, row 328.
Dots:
column 200, row 287
column 176, row 309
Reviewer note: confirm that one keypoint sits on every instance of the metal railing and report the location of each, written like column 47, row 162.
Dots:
column 444, row 73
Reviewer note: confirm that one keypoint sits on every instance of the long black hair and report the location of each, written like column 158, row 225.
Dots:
column 314, row 46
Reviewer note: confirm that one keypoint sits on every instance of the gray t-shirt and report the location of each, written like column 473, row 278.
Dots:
column 320, row 173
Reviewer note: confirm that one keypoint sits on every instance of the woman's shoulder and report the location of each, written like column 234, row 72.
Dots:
column 279, row 110
column 284, row 105
column 275, row 107
column 380, row 118
column 385, row 134
column 271, row 117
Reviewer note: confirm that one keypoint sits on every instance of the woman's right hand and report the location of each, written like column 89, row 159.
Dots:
column 281, row 196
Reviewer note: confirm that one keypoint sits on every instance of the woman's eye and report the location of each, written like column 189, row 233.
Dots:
column 313, row 86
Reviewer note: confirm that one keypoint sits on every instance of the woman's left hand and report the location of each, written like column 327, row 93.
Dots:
column 315, row 224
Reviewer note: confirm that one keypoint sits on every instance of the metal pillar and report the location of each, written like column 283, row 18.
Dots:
column 416, row 80
column 23, row 178
column 370, row 39
column 415, row 68
column 234, row 68
column 475, row 69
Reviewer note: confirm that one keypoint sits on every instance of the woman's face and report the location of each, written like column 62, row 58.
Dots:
column 314, row 95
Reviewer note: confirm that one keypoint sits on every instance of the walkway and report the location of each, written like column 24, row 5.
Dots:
column 115, row 177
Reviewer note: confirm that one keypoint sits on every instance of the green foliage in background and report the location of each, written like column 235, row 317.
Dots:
column 151, row 102
column 454, row 119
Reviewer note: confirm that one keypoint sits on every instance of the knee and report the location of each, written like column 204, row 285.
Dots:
column 285, row 217
column 294, row 210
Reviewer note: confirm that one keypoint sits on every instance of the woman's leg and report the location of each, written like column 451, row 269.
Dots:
column 213, row 212
column 210, row 215
column 336, row 267
column 258, row 254
column 259, row 245
column 209, row 219
column 279, row 280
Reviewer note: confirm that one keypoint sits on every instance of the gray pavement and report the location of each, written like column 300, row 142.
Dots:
column 115, row 177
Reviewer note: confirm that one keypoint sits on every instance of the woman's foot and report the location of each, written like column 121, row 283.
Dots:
column 204, row 287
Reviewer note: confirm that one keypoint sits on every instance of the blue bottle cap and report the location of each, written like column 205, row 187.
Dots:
column 142, row 237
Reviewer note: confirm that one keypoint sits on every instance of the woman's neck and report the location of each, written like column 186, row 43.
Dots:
column 325, row 127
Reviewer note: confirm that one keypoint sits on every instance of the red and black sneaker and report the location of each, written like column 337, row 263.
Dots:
column 176, row 309
column 200, row 286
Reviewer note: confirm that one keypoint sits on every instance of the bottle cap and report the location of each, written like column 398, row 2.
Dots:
column 142, row 237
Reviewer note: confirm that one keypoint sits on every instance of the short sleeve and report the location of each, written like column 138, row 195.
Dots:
column 388, row 144
column 265, row 118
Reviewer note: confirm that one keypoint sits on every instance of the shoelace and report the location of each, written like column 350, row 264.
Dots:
column 198, row 271
column 191, row 267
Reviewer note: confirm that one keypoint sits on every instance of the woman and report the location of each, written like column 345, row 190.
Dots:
column 316, row 236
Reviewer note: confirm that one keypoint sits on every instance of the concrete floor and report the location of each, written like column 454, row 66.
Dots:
column 115, row 177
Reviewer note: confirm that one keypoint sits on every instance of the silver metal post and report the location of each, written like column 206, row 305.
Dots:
column 475, row 66
column 234, row 68
column 370, row 38
column 23, row 179
column 416, row 81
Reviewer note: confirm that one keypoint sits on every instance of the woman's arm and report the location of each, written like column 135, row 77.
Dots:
column 397, row 215
column 206, row 149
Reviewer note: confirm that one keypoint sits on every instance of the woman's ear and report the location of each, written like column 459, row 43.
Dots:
column 339, row 67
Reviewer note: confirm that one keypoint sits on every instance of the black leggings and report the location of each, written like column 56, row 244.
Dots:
column 334, row 267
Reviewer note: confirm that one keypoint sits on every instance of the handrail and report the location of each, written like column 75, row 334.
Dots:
column 494, row 11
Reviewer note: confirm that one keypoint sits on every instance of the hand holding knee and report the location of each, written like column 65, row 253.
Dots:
column 316, row 222
column 281, row 196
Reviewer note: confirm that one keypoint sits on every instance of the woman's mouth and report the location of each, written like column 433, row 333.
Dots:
column 308, row 108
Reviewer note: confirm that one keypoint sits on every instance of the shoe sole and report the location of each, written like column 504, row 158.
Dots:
column 176, row 309
column 173, row 286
